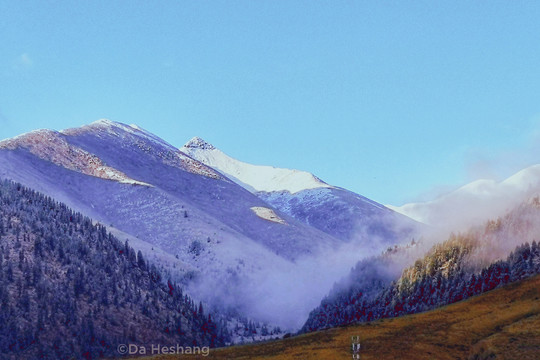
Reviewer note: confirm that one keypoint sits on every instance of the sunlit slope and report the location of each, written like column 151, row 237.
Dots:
column 502, row 324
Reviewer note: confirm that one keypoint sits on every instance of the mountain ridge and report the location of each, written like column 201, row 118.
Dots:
column 229, row 247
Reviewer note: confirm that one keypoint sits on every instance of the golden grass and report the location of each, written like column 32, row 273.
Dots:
column 500, row 324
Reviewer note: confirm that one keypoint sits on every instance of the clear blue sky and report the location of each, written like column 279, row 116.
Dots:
column 394, row 100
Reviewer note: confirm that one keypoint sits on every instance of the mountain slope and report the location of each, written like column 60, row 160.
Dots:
column 464, row 265
column 231, row 247
column 345, row 215
column 205, row 230
column 155, row 162
column 109, row 295
column 51, row 146
column 301, row 195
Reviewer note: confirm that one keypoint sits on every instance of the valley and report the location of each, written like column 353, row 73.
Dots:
column 503, row 324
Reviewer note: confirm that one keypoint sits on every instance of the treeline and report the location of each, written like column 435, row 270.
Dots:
column 440, row 278
column 69, row 289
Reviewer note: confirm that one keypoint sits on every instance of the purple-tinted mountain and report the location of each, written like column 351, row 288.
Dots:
column 343, row 214
column 151, row 160
column 197, row 222
column 205, row 230
column 148, row 189
column 340, row 213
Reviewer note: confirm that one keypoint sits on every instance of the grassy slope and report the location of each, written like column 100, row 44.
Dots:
column 501, row 324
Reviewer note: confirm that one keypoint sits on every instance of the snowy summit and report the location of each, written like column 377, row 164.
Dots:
column 255, row 178
column 198, row 143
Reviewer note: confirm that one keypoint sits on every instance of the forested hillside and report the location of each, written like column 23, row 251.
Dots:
column 463, row 266
column 69, row 289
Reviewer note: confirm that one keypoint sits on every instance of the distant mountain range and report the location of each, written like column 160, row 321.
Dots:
column 475, row 202
column 213, row 223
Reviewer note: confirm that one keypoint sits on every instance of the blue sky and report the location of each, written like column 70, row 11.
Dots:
column 395, row 100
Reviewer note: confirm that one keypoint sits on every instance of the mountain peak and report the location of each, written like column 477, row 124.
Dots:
column 104, row 122
column 254, row 178
column 198, row 143
column 98, row 125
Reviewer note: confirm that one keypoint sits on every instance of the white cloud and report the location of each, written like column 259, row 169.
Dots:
column 22, row 62
column 25, row 60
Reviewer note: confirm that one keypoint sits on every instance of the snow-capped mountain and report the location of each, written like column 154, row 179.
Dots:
column 231, row 246
column 336, row 211
column 255, row 178
column 475, row 202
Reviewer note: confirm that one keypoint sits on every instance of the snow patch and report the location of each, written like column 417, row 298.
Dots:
column 267, row 214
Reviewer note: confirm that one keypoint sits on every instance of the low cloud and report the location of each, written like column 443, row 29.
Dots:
column 283, row 294
column 495, row 183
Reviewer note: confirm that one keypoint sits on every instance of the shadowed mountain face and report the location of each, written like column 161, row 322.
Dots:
column 344, row 215
column 192, row 219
